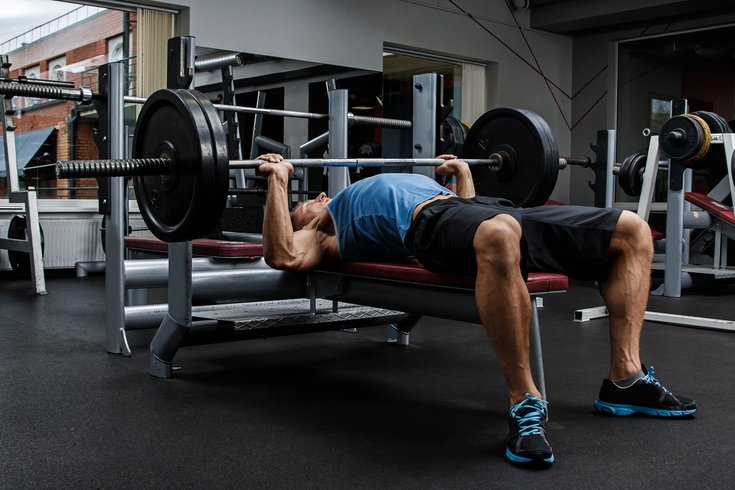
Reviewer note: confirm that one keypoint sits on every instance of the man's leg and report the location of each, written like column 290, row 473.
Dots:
column 503, row 301
column 626, row 292
column 631, row 388
column 505, row 311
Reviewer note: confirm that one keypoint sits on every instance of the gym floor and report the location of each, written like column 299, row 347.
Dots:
column 344, row 410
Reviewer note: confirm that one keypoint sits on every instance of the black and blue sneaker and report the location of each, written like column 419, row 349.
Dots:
column 526, row 442
column 646, row 396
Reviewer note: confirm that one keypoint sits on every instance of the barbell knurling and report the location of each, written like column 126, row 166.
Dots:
column 126, row 167
column 45, row 92
column 381, row 122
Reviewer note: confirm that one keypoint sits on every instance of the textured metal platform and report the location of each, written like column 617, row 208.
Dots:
column 272, row 314
column 728, row 273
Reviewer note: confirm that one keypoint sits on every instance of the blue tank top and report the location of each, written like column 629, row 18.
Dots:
column 372, row 216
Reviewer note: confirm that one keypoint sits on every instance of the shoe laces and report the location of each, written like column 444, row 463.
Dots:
column 649, row 379
column 534, row 414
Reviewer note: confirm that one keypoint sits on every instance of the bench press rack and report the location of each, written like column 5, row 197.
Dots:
column 679, row 220
column 399, row 291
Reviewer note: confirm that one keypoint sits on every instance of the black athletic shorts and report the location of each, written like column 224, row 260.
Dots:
column 571, row 240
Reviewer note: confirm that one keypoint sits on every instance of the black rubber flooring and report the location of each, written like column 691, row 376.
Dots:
column 343, row 410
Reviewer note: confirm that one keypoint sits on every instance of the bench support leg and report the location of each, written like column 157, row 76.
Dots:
column 176, row 325
column 399, row 333
column 537, row 359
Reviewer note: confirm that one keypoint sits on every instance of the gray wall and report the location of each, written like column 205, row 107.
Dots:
column 352, row 33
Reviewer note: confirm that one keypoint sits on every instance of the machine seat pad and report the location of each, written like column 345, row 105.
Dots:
column 203, row 247
column 538, row 282
column 715, row 208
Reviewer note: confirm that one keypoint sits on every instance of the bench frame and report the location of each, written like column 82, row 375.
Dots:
column 395, row 286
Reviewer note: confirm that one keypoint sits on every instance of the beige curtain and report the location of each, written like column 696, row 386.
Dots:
column 154, row 30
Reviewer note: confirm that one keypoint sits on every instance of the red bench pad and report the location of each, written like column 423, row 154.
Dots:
column 203, row 246
column 538, row 282
column 715, row 208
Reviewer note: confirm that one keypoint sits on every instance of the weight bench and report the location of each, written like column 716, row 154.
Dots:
column 724, row 224
column 403, row 287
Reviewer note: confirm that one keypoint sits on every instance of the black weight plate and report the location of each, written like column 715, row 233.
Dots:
column 179, row 206
column 715, row 156
column 525, row 136
column 681, row 138
column 635, row 174
column 453, row 134
column 21, row 261
column 218, row 176
column 545, row 132
column 624, row 175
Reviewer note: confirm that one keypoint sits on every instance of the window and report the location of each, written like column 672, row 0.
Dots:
column 56, row 69
column 115, row 48
column 32, row 73
column 652, row 72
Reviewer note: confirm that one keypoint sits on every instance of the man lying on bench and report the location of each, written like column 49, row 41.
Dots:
column 390, row 217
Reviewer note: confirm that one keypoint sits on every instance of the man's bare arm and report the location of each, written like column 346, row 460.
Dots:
column 460, row 169
column 283, row 248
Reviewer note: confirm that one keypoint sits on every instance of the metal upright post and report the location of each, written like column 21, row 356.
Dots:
column 177, row 323
column 425, row 88
column 111, row 78
column 675, row 219
column 338, row 177
column 32, row 244
column 610, row 163
column 649, row 178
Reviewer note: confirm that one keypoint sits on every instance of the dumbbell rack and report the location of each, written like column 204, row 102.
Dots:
column 32, row 243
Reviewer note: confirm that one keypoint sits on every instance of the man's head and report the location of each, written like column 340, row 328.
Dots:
column 304, row 212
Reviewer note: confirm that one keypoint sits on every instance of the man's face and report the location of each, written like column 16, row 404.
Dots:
column 310, row 209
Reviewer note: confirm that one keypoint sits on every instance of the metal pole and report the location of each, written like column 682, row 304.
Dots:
column 424, row 119
column 338, row 178
column 112, row 76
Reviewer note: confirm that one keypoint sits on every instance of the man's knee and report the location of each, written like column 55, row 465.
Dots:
column 632, row 235
column 497, row 242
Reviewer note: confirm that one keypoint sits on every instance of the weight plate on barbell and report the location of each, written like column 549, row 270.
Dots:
column 186, row 203
column 453, row 133
column 530, row 176
column 715, row 156
column 683, row 137
column 630, row 175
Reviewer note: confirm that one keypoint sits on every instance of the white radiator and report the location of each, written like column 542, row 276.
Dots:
column 66, row 241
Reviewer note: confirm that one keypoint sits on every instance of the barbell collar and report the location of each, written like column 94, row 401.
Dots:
column 676, row 136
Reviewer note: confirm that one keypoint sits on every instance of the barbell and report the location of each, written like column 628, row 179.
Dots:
column 181, row 167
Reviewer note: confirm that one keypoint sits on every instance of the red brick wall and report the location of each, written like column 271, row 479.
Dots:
column 101, row 26
column 84, row 41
